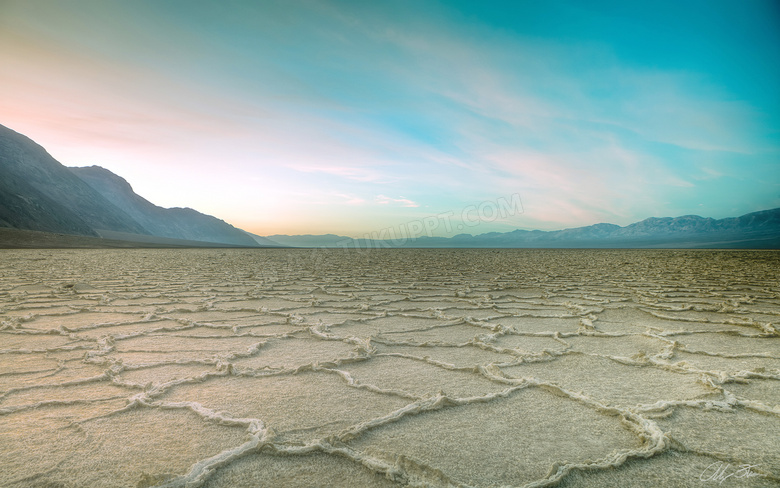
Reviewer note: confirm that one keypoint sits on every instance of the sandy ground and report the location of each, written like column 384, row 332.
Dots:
column 297, row 368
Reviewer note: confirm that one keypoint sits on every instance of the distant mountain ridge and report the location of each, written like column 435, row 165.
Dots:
column 40, row 194
column 754, row 230
column 37, row 193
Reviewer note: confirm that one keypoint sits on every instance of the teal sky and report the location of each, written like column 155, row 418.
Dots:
column 353, row 116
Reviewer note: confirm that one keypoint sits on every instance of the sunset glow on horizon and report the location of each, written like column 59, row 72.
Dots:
column 344, row 117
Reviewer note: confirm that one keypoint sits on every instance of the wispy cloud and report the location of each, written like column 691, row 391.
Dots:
column 403, row 202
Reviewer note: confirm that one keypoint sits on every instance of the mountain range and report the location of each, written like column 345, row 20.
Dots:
column 45, row 204
column 757, row 230
column 38, row 193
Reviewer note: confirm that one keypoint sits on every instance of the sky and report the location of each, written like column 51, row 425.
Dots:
column 352, row 117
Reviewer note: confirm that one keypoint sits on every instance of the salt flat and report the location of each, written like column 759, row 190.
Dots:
column 389, row 367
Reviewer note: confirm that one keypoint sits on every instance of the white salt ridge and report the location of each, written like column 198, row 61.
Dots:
column 393, row 327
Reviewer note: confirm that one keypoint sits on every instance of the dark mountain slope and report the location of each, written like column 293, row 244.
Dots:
column 38, row 193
